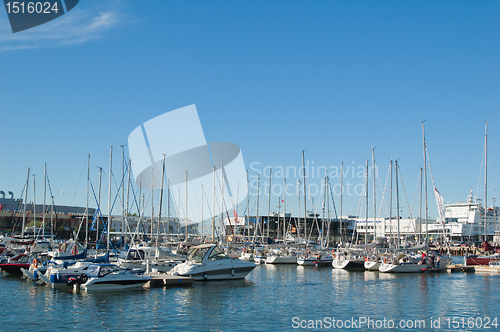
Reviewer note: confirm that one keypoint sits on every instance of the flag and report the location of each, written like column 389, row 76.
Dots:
column 440, row 205
column 94, row 219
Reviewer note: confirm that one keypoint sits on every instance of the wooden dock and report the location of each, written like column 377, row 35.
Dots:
column 487, row 269
column 451, row 269
column 163, row 279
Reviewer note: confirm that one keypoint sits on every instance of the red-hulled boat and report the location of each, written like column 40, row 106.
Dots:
column 483, row 259
column 16, row 263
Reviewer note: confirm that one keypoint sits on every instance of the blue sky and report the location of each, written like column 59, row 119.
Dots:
column 275, row 77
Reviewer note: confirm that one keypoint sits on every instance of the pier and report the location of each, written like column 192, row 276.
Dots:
column 163, row 279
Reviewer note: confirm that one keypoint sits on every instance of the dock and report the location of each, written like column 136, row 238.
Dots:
column 451, row 269
column 487, row 269
column 163, row 279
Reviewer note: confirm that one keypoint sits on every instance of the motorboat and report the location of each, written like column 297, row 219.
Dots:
column 138, row 256
column 107, row 276
column 16, row 263
column 209, row 262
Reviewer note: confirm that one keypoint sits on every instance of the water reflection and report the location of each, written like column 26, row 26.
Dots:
column 267, row 299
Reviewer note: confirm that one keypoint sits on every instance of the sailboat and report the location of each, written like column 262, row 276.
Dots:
column 493, row 259
column 405, row 262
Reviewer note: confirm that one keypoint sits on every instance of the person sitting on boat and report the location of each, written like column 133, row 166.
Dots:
column 423, row 258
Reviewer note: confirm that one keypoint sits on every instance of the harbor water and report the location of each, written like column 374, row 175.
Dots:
column 270, row 298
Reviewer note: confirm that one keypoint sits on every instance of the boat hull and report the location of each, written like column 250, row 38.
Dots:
column 481, row 260
column 14, row 268
column 114, row 284
column 403, row 268
column 372, row 265
column 346, row 264
column 281, row 260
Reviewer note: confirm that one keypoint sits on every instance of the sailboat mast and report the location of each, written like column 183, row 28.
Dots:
column 341, row 190
column 223, row 227
column 123, row 189
column 248, row 208
column 34, row 208
column 366, row 201
column 305, row 196
column 298, row 213
column 152, row 203
column 420, row 208
column 44, row 194
column 284, row 209
column 485, row 180
column 397, row 202
column 128, row 195
column 425, row 184
column 87, row 206
column 374, row 198
column 202, row 230
column 390, row 201
column 257, row 217
column 98, row 208
column 187, row 207
column 213, row 206
column 25, row 202
column 269, row 203
column 168, row 210
column 161, row 201
column 109, row 197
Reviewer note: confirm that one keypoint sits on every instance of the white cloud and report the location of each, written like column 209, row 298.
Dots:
column 75, row 27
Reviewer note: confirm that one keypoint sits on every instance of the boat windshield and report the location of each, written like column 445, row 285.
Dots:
column 133, row 254
column 217, row 254
column 197, row 254
column 110, row 269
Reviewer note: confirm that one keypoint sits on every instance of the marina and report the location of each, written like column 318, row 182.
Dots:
column 249, row 166
column 277, row 294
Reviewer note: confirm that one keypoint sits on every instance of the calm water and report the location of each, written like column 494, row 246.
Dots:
column 267, row 300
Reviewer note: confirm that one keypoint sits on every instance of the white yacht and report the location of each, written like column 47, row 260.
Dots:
column 209, row 262
column 111, row 277
column 404, row 264
column 281, row 256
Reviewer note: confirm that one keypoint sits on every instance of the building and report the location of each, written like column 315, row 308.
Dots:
column 460, row 222
column 57, row 217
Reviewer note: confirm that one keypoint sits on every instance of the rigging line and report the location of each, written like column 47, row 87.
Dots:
column 81, row 174
column 122, row 185
column 416, row 193
column 383, row 193
column 223, row 202
column 404, row 190
column 141, row 213
column 430, row 169
column 18, row 208
column 333, row 199
column 480, row 170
